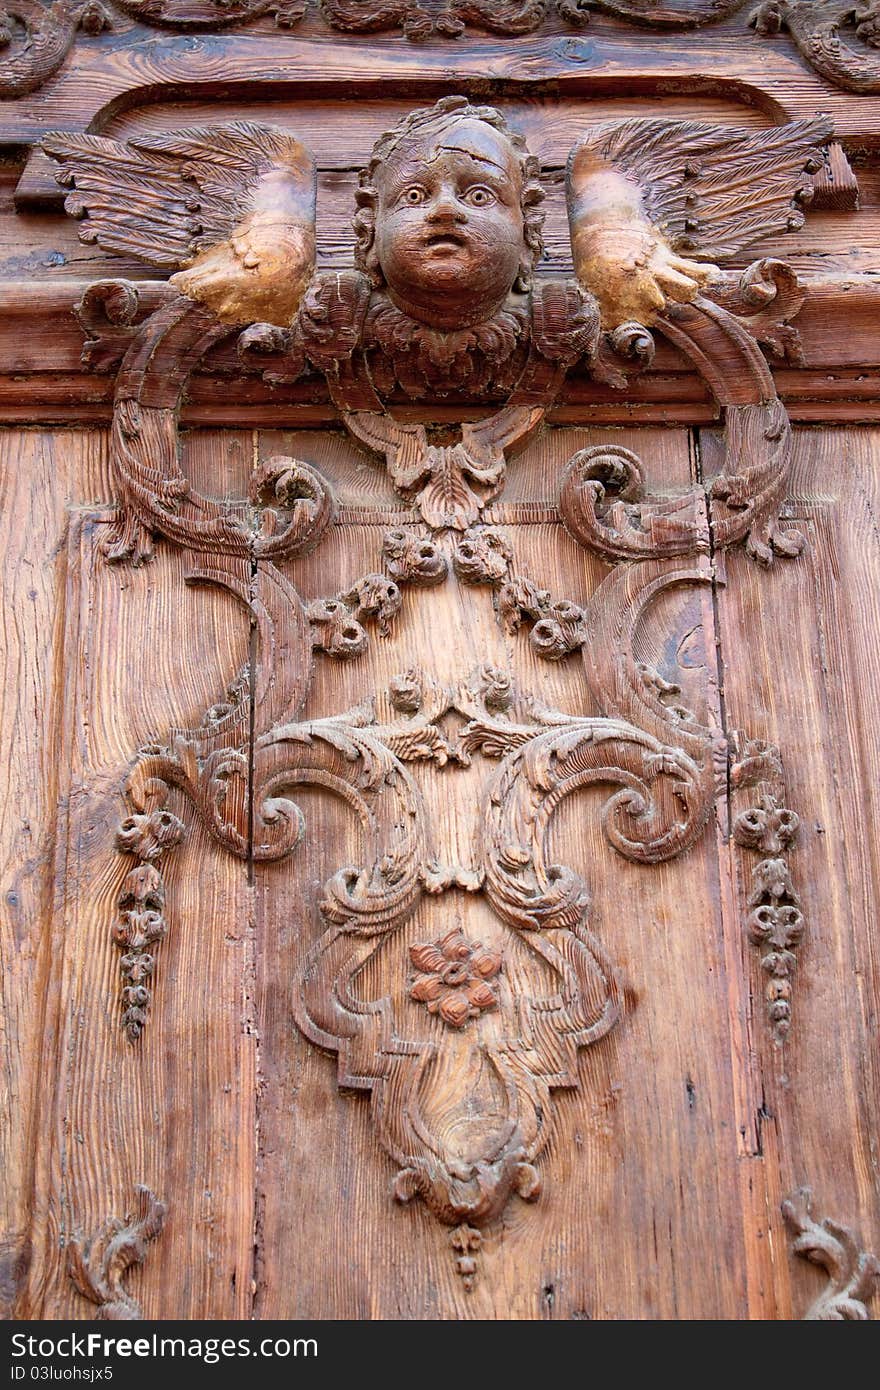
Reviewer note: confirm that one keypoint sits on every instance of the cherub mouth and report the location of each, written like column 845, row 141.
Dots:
column 449, row 240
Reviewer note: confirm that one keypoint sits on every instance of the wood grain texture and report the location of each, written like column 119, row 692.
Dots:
column 809, row 686
column 773, row 76
column 320, row 1166
column 828, row 34
column 41, row 476
column 142, row 1120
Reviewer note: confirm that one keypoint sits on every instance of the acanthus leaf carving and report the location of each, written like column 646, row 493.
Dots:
column 98, row 1266
column 837, row 37
column 212, row 14
column 449, row 483
column 853, row 1274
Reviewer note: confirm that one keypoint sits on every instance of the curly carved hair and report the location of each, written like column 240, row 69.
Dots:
column 448, row 111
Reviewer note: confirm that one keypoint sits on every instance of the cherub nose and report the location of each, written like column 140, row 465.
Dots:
column 446, row 207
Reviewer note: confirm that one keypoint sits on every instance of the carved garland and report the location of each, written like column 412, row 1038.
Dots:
column 836, row 37
column 774, row 921
column 659, row 765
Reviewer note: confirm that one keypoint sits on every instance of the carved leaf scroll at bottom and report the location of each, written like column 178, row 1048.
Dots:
column 98, row 1266
column 853, row 1274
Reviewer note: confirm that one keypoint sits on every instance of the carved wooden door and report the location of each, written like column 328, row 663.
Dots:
column 440, row 839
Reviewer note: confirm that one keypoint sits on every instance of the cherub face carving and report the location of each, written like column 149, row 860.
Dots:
column 448, row 223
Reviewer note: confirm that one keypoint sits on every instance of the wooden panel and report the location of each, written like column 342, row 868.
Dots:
column 643, row 1169
column 800, row 669
column 689, row 1125
column 728, row 59
column 41, row 474
column 175, row 1111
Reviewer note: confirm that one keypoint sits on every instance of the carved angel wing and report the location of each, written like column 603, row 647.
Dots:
column 643, row 193
column 231, row 208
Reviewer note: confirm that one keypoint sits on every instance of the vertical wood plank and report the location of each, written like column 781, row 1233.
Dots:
column 801, row 670
column 41, row 474
column 175, row 1110
column 642, row 1169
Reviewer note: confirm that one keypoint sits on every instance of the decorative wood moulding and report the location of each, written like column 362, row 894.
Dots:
column 440, row 307
column 853, row 1274
column 98, row 1266
column 838, row 38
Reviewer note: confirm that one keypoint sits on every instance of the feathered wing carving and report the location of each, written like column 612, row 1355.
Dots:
column 645, row 197
column 230, row 208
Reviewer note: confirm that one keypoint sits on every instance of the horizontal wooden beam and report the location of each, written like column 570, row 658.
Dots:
column 101, row 78
column 42, row 378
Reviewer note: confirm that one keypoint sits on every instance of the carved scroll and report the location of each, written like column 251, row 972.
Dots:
column 98, row 1266
column 852, row 1273
column 39, row 37
column 837, row 37
column 603, row 500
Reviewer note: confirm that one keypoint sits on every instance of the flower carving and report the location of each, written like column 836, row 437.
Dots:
column 453, row 976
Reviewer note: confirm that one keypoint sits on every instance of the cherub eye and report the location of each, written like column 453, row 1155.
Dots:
column 479, row 196
column 413, row 195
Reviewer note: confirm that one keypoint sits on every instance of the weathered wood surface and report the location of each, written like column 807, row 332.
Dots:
column 106, row 1117
column 811, row 681
column 689, row 1125
column 728, row 59
column 43, row 475
column 668, row 1164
